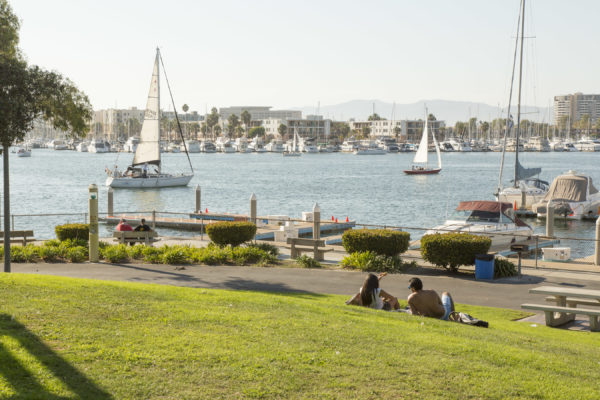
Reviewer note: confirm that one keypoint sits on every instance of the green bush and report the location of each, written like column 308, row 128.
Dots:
column 231, row 233
column 72, row 231
column 16, row 254
column 308, row 262
column 370, row 261
column 136, row 252
column 269, row 248
column 211, row 255
column 504, row 268
column 19, row 254
column 152, row 255
column 48, row 253
column 380, row 241
column 451, row 250
column 175, row 255
column 77, row 254
column 251, row 255
column 115, row 253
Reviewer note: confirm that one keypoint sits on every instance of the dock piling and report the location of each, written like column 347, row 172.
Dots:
column 549, row 219
column 198, row 199
column 597, row 252
column 153, row 220
column 523, row 200
column 93, row 230
column 316, row 221
column 253, row 208
column 109, row 198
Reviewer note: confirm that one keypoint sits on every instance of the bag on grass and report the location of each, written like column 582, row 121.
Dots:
column 465, row 318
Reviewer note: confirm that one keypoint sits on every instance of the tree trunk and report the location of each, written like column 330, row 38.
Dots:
column 6, row 208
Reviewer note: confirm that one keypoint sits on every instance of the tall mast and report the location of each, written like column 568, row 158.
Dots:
column 519, row 97
column 158, row 101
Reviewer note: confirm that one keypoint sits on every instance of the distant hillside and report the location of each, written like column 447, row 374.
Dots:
column 447, row 110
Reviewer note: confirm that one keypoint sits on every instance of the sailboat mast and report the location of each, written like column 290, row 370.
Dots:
column 158, row 101
column 519, row 96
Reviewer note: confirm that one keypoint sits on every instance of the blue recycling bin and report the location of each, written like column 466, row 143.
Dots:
column 484, row 266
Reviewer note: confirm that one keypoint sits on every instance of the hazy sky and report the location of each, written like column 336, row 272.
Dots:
column 296, row 53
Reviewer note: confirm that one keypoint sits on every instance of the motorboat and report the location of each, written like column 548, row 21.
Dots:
column 569, row 146
column 275, row 146
column 308, row 146
column 131, row 144
column 57, row 144
column 491, row 218
column 587, row 144
column 173, row 147
column 23, row 151
column 82, row 147
column 256, row 146
column 225, row 145
column 405, row 148
column 572, row 195
column 349, row 145
column 369, row 147
column 193, row 146
column 97, row 146
column 389, row 145
column 147, row 153
column 446, row 146
column 241, row 145
column 534, row 189
column 207, row 146
column 557, row 145
column 539, row 143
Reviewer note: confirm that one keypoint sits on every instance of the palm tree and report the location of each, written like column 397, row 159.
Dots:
column 246, row 119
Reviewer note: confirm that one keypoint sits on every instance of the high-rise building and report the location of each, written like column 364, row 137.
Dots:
column 575, row 106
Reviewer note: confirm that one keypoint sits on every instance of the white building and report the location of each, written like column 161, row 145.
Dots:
column 406, row 130
column 259, row 113
column 313, row 126
column 574, row 106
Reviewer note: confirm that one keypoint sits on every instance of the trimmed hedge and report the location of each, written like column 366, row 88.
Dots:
column 231, row 233
column 380, row 241
column 451, row 250
column 72, row 231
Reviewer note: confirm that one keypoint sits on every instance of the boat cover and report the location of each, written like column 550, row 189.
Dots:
column 483, row 205
column 572, row 188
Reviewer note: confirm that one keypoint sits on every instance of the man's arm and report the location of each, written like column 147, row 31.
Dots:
column 412, row 305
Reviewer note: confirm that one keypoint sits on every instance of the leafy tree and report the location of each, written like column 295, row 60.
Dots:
column 256, row 131
column 217, row 130
column 341, row 130
column 282, row 129
column 584, row 122
column 461, row 128
column 485, row 126
column 134, row 126
column 366, row 131
column 212, row 120
column 375, row 117
column 397, row 131
column 239, row 130
column 26, row 93
column 204, row 129
column 232, row 123
column 431, row 117
column 185, row 108
column 195, row 128
column 246, row 119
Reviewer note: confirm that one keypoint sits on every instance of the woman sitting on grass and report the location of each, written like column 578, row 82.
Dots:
column 370, row 295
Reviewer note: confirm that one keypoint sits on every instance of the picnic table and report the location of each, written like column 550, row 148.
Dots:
column 566, row 301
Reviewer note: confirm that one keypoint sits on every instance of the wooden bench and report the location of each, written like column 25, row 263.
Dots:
column 146, row 237
column 19, row 237
column 566, row 314
column 300, row 245
column 573, row 301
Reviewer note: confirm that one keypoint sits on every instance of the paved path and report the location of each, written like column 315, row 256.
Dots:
column 507, row 293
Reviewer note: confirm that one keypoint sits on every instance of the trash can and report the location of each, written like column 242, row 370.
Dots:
column 484, row 266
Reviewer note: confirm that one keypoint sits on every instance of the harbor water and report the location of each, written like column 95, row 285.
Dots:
column 367, row 189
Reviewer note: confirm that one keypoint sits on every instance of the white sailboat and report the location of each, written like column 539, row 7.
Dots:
column 293, row 151
column 422, row 154
column 147, row 152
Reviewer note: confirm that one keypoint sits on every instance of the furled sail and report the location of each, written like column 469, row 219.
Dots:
column 421, row 155
column 148, row 150
column 524, row 173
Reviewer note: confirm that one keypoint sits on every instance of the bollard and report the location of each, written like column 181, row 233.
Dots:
column 153, row 220
column 597, row 254
column 253, row 208
column 549, row 219
column 109, row 197
column 93, row 209
column 316, row 221
column 523, row 200
column 198, row 199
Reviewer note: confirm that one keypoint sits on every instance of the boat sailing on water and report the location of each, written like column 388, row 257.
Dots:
column 147, row 152
column 422, row 154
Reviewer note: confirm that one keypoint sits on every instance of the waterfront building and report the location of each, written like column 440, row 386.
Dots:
column 575, row 106
column 405, row 130
column 312, row 126
column 259, row 113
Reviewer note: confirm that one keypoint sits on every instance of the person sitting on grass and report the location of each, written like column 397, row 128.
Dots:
column 370, row 295
column 123, row 226
column 142, row 227
column 427, row 303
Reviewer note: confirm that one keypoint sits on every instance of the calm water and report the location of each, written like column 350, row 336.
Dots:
column 368, row 189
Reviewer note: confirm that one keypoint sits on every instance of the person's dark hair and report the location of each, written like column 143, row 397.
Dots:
column 122, row 220
column 415, row 283
column 143, row 221
column 368, row 290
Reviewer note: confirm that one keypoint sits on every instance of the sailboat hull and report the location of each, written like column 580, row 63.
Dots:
column 422, row 171
column 152, row 181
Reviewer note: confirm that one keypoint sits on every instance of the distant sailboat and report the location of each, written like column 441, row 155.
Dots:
column 148, row 150
column 422, row 154
column 293, row 151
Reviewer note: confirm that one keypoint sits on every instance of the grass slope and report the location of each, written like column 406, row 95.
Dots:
column 74, row 338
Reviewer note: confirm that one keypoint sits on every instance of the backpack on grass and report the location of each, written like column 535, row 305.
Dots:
column 465, row 318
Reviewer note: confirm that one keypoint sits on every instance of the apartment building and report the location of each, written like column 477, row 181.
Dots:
column 406, row 130
column 574, row 106
column 313, row 126
column 259, row 113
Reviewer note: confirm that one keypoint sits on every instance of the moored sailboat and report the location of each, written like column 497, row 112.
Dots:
column 420, row 159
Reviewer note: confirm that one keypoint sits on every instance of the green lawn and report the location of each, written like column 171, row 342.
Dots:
column 74, row 338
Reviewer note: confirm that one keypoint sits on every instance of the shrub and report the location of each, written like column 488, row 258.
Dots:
column 211, row 255
column 115, row 253
column 175, row 255
column 504, row 268
column 251, row 255
column 451, row 250
column 380, row 241
column 72, row 231
column 269, row 248
column 231, row 233
column 77, row 254
column 21, row 254
column 370, row 261
column 16, row 254
column 308, row 262
column 48, row 253
column 136, row 252
column 52, row 243
column 152, row 255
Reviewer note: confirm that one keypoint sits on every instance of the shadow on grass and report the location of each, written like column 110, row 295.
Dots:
column 19, row 377
column 260, row 286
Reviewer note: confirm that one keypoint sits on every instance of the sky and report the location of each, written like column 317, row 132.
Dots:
column 299, row 53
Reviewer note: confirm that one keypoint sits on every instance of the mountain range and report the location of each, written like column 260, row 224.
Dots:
column 449, row 111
